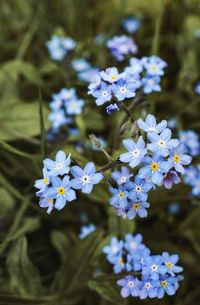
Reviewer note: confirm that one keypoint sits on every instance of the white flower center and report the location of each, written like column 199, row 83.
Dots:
column 147, row 285
column 154, row 268
column 133, row 245
column 161, row 143
column 123, row 179
column 59, row 166
column 138, row 188
column 135, row 153
column 85, row 179
column 130, row 284
column 114, row 249
column 123, row 90
column 104, row 93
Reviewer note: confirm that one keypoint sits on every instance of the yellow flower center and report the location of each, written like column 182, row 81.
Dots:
column 121, row 195
column 154, row 68
column 50, row 201
column 61, row 190
column 121, row 261
column 136, row 206
column 164, row 283
column 46, row 180
column 154, row 166
column 169, row 265
column 176, row 158
column 113, row 77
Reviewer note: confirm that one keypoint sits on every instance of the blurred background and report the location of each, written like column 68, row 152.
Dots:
column 40, row 253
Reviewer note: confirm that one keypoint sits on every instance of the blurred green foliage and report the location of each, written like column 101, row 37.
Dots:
column 41, row 259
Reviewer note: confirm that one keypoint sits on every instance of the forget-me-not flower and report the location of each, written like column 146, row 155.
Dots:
column 136, row 152
column 61, row 191
column 60, row 166
column 85, row 178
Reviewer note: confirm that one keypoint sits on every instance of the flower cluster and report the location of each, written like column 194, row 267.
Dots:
column 192, row 178
column 86, row 230
column 158, row 162
column 131, row 24
column 157, row 273
column 60, row 180
column 190, row 140
column 121, row 46
column 112, row 85
column 64, row 105
column 59, row 47
column 147, row 70
column 84, row 70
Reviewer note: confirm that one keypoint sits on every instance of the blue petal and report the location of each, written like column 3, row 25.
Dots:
column 89, row 169
column 76, row 171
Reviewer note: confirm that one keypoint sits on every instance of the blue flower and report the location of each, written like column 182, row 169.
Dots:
column 170, row 263
column 42, row 184
column 86, row 230
column 151, row 83
column 170, row 178
column 60, row 166
column 154, row 65
column 67, row 93
column 103, row 94
column 114, row 248
column 131, row 24
column 47, row 203
column 135, row 68
column 68, row 43
column 133, row 243
column 80, row 65
column 60, row 191
column 137, row 208
column 120, row 46
column 139, row 258
column 123, row 89
column 190, row 175
column 110, row 75
column 138, row 189
column 190, row 140
column 130, row 286
column 148, row 288
column 112, row 108
column 118, row 262
column 122, row 176
column 154, row 167
column 168, row 285
column 178, row 159
column 120, row 197
column 58, row 118
column 162, row 144
column 55, row 48
column 153, row 267
column 74, row 107
column 88, row 76
column 85, row 178
column 136, row 152
column 58, row 47
column 150, row 125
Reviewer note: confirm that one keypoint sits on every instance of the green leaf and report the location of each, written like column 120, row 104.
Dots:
column 14, row 150
column 6, row 202
column 24, row 276
column 61, row 243
column 20, row 119
column 77, row 267
column 108, row 289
